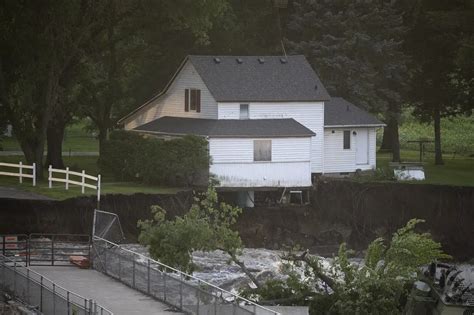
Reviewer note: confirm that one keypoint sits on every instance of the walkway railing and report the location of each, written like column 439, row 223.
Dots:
column 20, row 173
column 43, row 294
column 67, row 181
column 167, row 284
column 55, row 249
column 15, row 245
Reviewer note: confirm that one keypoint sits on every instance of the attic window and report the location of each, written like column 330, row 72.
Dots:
column 192, row 100
column 283, row 60
column 217, row 60
column 261, row 60
column 239, row 60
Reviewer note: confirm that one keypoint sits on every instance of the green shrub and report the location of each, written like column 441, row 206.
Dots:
column 119, row 155
column 130, row 156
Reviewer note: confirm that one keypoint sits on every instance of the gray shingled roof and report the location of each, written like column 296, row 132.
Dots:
column 250, row 80
column 339, row 112
column 226, row 128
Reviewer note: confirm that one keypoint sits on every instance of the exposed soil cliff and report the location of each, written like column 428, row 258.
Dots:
column 356, row 213
column 340, row 211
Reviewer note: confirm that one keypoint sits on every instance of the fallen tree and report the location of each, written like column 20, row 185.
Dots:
column 378, row 285
column 205, row 227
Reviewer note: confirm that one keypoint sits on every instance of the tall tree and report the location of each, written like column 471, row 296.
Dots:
column 64, row 113
column 133, row 48
column 357, row 48
column 248, row 28
column 441, row 44
column 39, row 41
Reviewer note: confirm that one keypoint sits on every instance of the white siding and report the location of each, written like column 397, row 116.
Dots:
column 172, row 102
column 337, row 160
column 232, row 163
column 372, row 147
column 309, row 114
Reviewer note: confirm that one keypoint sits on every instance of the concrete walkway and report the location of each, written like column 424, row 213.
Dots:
column 113, row 295
column 13, row 193
column 65, row 153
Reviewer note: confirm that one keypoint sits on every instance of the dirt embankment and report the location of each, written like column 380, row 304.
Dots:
column 75, row 215
column 340, row 211
column 356, row 213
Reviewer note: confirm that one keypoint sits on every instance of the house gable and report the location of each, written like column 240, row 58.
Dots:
column 171, row 102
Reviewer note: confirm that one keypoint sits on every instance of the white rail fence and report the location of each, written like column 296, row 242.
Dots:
column 20, row 173
column 81, row 181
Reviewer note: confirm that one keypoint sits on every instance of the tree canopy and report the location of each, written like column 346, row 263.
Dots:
column 357, row 48
column 69, row 60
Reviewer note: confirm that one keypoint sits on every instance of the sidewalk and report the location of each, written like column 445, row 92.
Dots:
column 65, row 153
column 13, row 193
column 111, row 294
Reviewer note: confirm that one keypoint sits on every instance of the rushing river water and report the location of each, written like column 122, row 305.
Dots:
column 214, row 267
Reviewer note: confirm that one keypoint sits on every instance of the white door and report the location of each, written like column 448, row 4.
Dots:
column 362, row 146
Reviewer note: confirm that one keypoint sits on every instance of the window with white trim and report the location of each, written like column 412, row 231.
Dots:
column 262, row 150
column 347, row 140
column 192, row 100
column 244, row 111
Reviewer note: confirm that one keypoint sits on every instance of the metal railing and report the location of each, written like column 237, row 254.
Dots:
column 55, row 249
column 167, row 284
column 20, row 173
column 43, row 294
column 15, row 245
column 67, row 181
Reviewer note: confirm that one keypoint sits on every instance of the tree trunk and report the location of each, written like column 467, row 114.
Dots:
column 55, row 136
column 395, row 140
column 437, row 132
column 391, row 137
column 386, row 140
column 34, row 152
column 103, row 136
column 244, row 269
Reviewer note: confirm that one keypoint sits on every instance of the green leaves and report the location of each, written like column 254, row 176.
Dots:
column 356, row 47
column 129, row 156
column 379, row 285
column 206, row 227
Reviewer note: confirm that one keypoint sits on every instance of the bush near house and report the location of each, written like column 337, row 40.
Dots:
column 132, row 157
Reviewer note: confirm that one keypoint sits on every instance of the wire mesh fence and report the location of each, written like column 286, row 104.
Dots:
column 183, row 291
column 43, row 294
column 107, row 225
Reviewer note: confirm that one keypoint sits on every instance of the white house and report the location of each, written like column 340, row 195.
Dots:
column 269, row 120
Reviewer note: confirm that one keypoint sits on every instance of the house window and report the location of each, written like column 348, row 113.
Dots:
column 262, row 150
column 347, row 139
column 192, row 100
column 244, row 111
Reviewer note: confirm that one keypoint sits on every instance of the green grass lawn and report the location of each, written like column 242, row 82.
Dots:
column 455, row 171
column 79, row 163
column 76, row 139
column 59, row 192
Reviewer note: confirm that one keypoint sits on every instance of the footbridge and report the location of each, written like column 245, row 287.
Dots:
column 36, row 269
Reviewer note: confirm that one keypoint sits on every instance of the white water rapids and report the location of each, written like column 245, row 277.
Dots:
column 215, row 267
